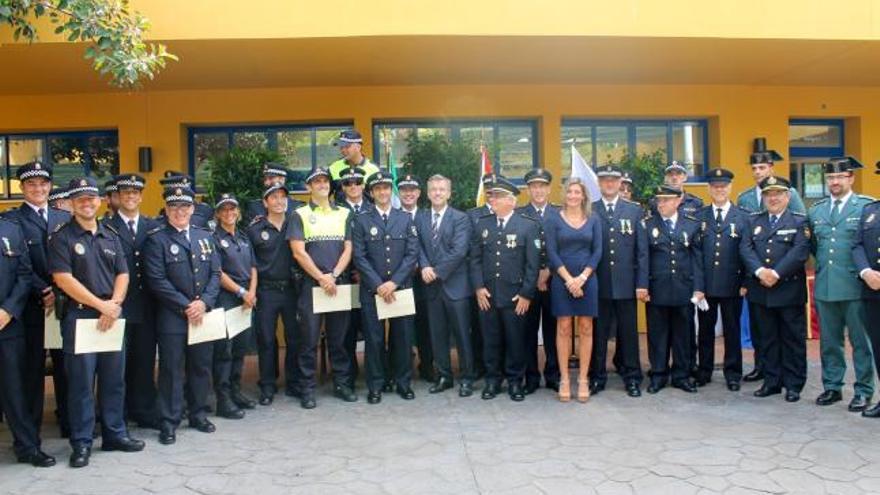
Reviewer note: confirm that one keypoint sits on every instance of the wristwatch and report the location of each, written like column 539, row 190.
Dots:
column 241, row 292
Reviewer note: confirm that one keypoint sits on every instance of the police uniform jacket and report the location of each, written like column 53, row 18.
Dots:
column 506, row 262
column 675, row 260
column 833, row 237
column 384, row 251
column 15, row 276
column 722, row 265
column 36, row 233
column 866, row 251
column 624, row 264
column 138, row 301
column 785, row 248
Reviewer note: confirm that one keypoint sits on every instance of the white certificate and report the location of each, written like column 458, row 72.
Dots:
column 89, row 339
column 238, row 319
column 342, row 301
column 404, row 305
column 213, row 327
column 52, row 332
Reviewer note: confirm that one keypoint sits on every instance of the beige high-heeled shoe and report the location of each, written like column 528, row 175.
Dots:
column 564, row 390
column 583, row 394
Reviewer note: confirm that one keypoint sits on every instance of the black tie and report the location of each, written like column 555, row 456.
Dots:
column 773, row 219
column 500, row 224
column 610, row 209
column 669, row 224
column 718, row 218
column 385, row 218
column 835, row 211
column 357, row 209
column 435, row 227
column 43, row 218
column 131, row 227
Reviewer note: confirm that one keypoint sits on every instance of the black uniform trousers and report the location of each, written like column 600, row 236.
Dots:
column 140, row 371
column 539, row 312
column 399, row 348
column 504, row 353
column 271, row 303
column 731, row 311
column 179, row 363
column 784, row 337
column 448, row 317
column 26, row 438
column 872, row 326
column 755, row 334
column 336, row 325
column 229, row 354
column 355, row 328
column 477, row 340
column 86, row 372
column 669, row 329
column 616, row 317
column 35, row 367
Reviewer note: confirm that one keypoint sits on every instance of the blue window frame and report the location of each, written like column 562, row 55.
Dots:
column 513, row 143
column 601, row 141
column 811, row 138
column 71, row 154
column 303, row 146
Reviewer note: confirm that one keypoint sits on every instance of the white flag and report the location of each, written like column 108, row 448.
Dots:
column 584, row 172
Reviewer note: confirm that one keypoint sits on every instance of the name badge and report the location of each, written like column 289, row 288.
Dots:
column 786, row 231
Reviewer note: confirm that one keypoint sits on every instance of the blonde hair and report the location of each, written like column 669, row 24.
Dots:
column 587, row 202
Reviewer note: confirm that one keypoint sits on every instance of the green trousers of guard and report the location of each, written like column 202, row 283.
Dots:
column 834, row 317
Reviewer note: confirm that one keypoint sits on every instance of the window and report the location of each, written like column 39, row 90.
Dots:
column 604, row 141
column 71, row 154
column 513, row 142
column 811, row 142
column 302, row 146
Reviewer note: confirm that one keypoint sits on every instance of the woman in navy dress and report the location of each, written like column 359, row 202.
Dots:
column 574, row 248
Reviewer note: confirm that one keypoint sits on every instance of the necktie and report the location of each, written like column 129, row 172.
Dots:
column 42, row 212
column 435, row 227
column 185, row 233
column 773, row 219
column 718, row 218
column 500, row 224
column 835, row 210
column 541, row 213
column 357, row 209
column 385, row 218
column 669, row 224
column 131, row 227
column 610, row 209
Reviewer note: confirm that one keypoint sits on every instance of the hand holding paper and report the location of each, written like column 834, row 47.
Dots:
column 90, row 338
column 212, row 327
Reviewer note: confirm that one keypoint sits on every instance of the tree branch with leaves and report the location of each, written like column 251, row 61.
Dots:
column 115, row 35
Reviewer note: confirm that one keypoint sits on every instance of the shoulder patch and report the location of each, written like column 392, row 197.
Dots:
column 798, row 214
column 820, row 202
column 110, row 227
column 256, row 219
column 61, row 226
column 154, row 230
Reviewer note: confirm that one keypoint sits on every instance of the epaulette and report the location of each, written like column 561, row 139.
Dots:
column 870, row 199
column 875, row 202
column 629, row 201
column 154, row 230
column 199, row 227
column 256, row 220
column 689, row 217
column 487, row 215
column 109, row 227
column 757, row 213
column 528, row 217
column 61, row 226
column 798, row 214
column 820, row 202
column 57, row 209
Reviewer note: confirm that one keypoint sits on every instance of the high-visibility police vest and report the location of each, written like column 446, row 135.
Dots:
column 338, row 166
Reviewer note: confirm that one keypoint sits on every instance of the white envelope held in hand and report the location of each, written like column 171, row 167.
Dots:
column 52, row 333
column 213, row 327
column 89, row 339
column 238, row 319
column 404, row 305
column 342, row 301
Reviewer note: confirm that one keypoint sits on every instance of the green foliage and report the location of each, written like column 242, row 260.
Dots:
column 239, row 172
column 115, row 34
column 457, row 159
column 646, row 171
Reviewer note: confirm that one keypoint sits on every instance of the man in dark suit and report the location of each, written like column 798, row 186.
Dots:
column 140, row 323
column 724, row 225
column 37, row 220
column 774, row 252
column 505, row 257
column 444, row 237
column 866, row 255
column 623, row 277
column 539, row 317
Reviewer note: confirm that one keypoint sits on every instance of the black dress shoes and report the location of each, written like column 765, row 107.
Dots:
column 653, row 388
column 686, row 386
column 167, row 436
column 766, row 391
column 125, row 444
column 245, row 402
column 792, row 396
column 37, row 458
column 80, row 457
column 872, row 412
column 755, row 376
column 858, row 404
column 374, row 397
column 829, row 397
column 443, row 383
column 552, row 385
column 517, row 394
column 266, row 398
column 702, row 381
column 531, row 387
column 466, row 389
column 387, row 387
column 202, row 425
column 345, row 393
column 228, row 409
column 633, row 390
column 308, row 401
column 490, row 392
column 733, row 386
column 595, row 388
column 406, row 393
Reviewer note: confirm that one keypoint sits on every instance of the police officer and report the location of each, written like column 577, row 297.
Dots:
column 505, row 257
column 37, row 220
column 58, row 199
column 320, row 238
column 866, row 255
column 183, row 272
column 837, row 293
column 88, row 264
column 276, row 292
column 15, row 286
column 626, row 187
column 676, row 278
column 539, row 317
column 761, row 160
column 475, row 214
column 111, row 196
column 203, row 215
column 350, row 143
column 238, row 281
column 410, row 190
column 140, row 323
column 675, row 176
column 774, row 252
column 386, row 247
column 724, row 225
column 272, row 172
column 623, row 278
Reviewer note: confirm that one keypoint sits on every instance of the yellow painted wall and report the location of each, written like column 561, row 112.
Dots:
column 736, row 113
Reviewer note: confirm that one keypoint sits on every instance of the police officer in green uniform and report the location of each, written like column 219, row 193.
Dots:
column 350, row 143
column 320, row 238
column 866, row 255
column 838, row 294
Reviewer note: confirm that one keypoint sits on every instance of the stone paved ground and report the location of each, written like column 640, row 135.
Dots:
column 711, row 442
